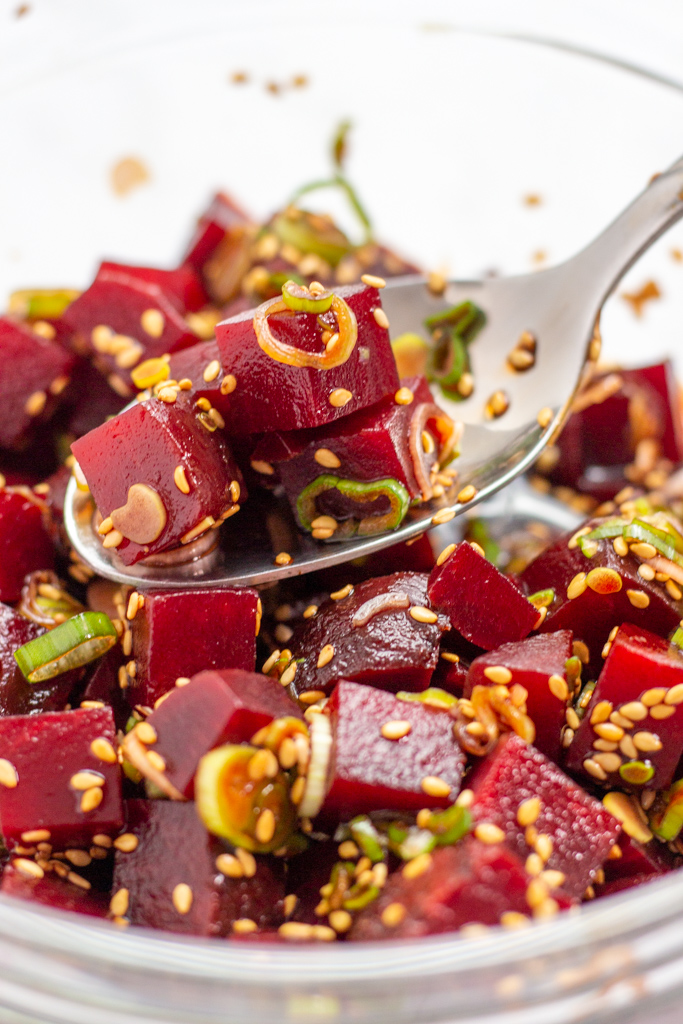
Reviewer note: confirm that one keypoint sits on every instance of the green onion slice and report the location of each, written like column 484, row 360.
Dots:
column 433, row 696
column 365, row 493
column 466, row 319
column 41, row 303
column 367, row 838
column 298, row 298
column 542, row 598
column 667, row 823
column 73, row 643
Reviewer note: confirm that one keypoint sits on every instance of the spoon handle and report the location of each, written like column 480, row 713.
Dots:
column 603, row 263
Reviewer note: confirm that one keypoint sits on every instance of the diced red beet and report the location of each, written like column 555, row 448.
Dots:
column 387, row 647
column 89, row 399
column 618, row 885
column 368, row 772
column 34, row 372
column 175, row 849
column 53, row 891
column 144, row 448
column 470, row 883
column 631, row 736
column 25, row 544
column 592, row 615
column 18, row 697
column 638, row 862
column 220, row 248
column 450, row 676
column 215, row 707
column 178, row 633
column 537, row 664
column 47, row 751
column 275, row 396
column 104, row 685
column 580, row 830
column 306, row 874
column 484, row 606
column 123, row 319
column 182, row 285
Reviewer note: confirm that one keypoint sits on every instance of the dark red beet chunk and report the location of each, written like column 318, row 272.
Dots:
column 175, row 849
column 470, row 883
column 126, row 316
column 631, row 736
column 178, row 633
column 17, row 697
column 53, row 891
column 580, row 830
column 537, row 664
column 144, row 448
column 25, row 543
column 104, row 685
column 388, row 648
column 484, row 606
column 220, row 248
column 90, row 400
column 214, row 708
column 368, row 772
column 182, row 285
column 639, row 862
column 306, row 874
column 34, row 371
column 275, row 396
column 592, row 615
column 46, row 752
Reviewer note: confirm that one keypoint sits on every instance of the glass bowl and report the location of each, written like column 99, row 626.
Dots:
column 454, row 131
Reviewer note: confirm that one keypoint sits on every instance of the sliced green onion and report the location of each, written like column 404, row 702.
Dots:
column 300, row 299
column 432, row 696
column 637, row 773
column 466, row 318
column 449, row 360
column 411, row 353
column 359, row 491
column 451, row 825
column 408, row 843
column 542, row 598
column 73, row 643
column 677, row 638
column 359, row 898
column 478, row 531
column 298, row 228
column 584, row 698
column 667, row 823
column 367, row 838
column 41, row 303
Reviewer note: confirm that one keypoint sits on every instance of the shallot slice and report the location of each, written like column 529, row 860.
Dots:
column 377, row 604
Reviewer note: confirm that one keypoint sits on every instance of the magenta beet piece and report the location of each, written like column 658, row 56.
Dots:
column 34, row 373
column 537, row 664
column 368, row 772
column 471, row 883
column 104, row 685
column 374, row 637
column 579, row 832
column 17, row 697
column 182, row 285
column 306, row 874
column 215, row 707
column 591, row 615
column 631, row 736
column 46, row 752
column 162, row 477
column 638, row 862
column 271, row 395
column 450, row 676
column 484, row 606
column 124, row 318
column 220, row 248
column 174, row 849
column 401, row 442
column 25, row 544
column 90, row 400
column 53, row 891
column 178, row 633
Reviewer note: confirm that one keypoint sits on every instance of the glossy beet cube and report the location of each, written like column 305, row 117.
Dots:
column 470, row 883
column 125, row 317
column 25, row 543
column 90, row 400
column 132, row 464
column 271, row 395
column 368, row 772
column 638, row 862
column 53, row 891
column 34, row 371
column 174, row 849
column 537, row 664
column 484, row 606
column 387, row 440
column 375, row 638
column 306, row 874
column 220, row 248
column 178, row 633
column 182, row 285
column 214, row 708
column 47, row 751
column 631, row 736
column 104, row 685
column 18, row 697
column 579, row 829
column 591, row 615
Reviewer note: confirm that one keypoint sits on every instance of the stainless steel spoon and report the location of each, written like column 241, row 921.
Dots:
column 558, row 306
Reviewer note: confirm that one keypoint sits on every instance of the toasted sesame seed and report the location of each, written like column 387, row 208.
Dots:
column 211, row 371
column 348, row 850
column 28, row 868
column 594, row 769
column 340, row 397
column 393, row 914
column 296, row 930
column 601, row 712
column 396, row 729
column 450, row 657
column 534, row 865
column 404, row 396
column 263, row 765
column 673, row 590
column 271, row 662
column 528, row 811
column 446, row 553
column 497, row 404
column 373, row 282
column 297, row 791
column 229, row 865
column 325, row 457
column 646, row 572
column 288, row 674
column 467, row 494
column 609, row 761
column 674, row 696
column 465, row 798
column 577, row 586
column 326, row 655
column 620, row 546
column 572, row 718
column 511, row 919
column 434, row 786
column 180, row 480
column 543, row 846
column 79, row 858
column 536, row 893
column 417, row 866
column 381, row 318
column 498, row 674
column 91, row 799
column 545, row 417
column 35, row 403
column 643, row 550
column 182, row 898
column 638, row 598
column 424, row 615
column 609, row 731
column 118, row 904
column 78, row 880
column 284, row 558
column 311, row 696
column 156, row 760
column 289, row 904
column 340, row 920
column 635, row 711
column 8, row 774
column 489, row 833
column 105, row 527
column 264, row 829
column 648, row 742
column 558, row 687
column 244, row 926
column 113, row 539
column 247, row 861
column 339, row 595
column 126, row 843
column 444, row 516
column 85, row 780
column 624, row 810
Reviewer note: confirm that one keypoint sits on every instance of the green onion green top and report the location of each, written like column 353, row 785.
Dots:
column 74, row 643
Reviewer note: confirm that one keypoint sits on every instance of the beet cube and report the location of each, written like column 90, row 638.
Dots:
column 220, row 248
column 638, row 862
column 174, row 849
column 25, row 544
column 590, row 613
column 484, row 606
column 162, row 477
column 271, row 395
column 33, row 372
column 578, row 830
column 17, row 696
column 368, row 772
column 47, row 751
column 104, row 685
column 386, row 647
column 631, row 736
column 182, row 285
column 537, row 664
column 470, row 883
column 53, row 891
column 178, row 633
column 214, row 708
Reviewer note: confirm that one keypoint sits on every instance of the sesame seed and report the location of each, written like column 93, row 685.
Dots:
column 348, row 850
column 118, row 904
column 244, row 926
column 497, row 404
column 8, row 774
column 146, row 733
column 339, row 595
column 182, row 898
column 648, row 742
column 156, row 760
column 544, row 846
column 340, row 920
column 310, row 611
column 327, row 458
column 265, row 826
column 180, row 479
column 434, row 786
column 78, row 880
column 558, row 687
column 396, row 729
column 446, row 553
column 674, row 696
column 85, row 780
column 635, row 711
column 594, row 769
column 211, row 371
column 638, row 598
column 646, row 572
column 498, row 674
column 229, row 866
column 623, row 809
column 287, row 676
column 654, row 696
column 340, row 397
column 79, row 858
column 545, row 417
column 381, row 318
column 28, row 868
column 311, row 696
column 103, row 750
column 644, row 550
column 513, row 920
column 271, row 662
column 449, row 656
column 466, row 494
column 404, row 396
column 609, row 731
column 373, row 282
column 247, row 861
column 263, row 765
column 126, row 843
column 601, row 712
column 326, row 655
column 489, row 834
column 284, row 558
column 206, row 523
column 621, row 547
column 609, row 761
column 465, row 798
column 444, row 516
column 35, row 403
column 417, row 866
column 673, row 591
column 536, row 893
column 91, row 799
column 528, row 811
column 297, row 791
column 296, row 930
column 113, row 539
column 393, row 914
column 534, row 865
column 424, row 615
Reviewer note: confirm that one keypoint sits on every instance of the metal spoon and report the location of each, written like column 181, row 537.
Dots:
column 558, row 306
